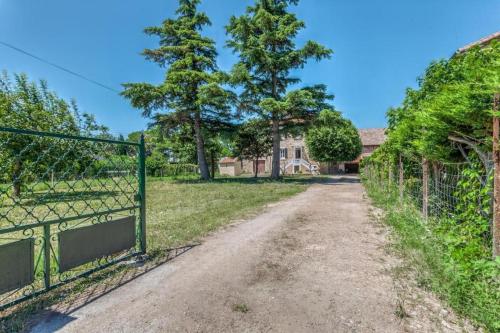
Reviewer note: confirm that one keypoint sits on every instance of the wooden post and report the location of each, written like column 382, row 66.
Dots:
column 495, row 227
column 425, row 188
column 401, row 178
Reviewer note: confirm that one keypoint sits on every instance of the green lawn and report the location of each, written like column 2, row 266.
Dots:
column 179, row 212
column 182, row 211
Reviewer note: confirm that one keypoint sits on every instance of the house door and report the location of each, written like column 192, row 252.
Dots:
column 260, row 165
column 351, row 167
column 298, row 153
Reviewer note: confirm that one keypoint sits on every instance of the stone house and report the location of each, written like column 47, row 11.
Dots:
column 295, row 158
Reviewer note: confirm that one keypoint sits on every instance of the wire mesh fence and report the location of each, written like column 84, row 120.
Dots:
column 438, row 190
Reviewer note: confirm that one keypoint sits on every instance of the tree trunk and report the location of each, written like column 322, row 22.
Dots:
column 256, row 166
column 200, row 148
column 212, row 157
column 275, row 172
column 16, row 178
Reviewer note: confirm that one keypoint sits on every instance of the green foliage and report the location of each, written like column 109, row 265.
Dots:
column 333, row 138
column 448, row 256
column 32, row 106
column 467, row 232
column 454, row 99
column 253, row 140
column 191, row 94
column 449, row 119
column 156, row 162
column 158, row 166
column 264, row 40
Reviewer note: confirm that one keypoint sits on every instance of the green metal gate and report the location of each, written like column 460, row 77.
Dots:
column 69, row 206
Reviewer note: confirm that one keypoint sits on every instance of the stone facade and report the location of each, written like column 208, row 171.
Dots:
column 295, row 158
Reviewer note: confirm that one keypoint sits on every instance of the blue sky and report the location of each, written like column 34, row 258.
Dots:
column 381, row 46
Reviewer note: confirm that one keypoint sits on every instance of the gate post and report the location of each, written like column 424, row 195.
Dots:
column 495, row 227
column 142, row 192
column 425, row 188
column 401, row 178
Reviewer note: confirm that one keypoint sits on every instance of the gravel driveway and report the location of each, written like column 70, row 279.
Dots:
column 314, row 263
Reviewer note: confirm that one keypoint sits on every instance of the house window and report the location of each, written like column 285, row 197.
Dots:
column 283, row 153
column 298, row 153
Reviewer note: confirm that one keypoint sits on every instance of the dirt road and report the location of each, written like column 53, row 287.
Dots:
column 313, row 263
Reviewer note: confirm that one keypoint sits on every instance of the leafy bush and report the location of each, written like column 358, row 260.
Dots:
column 158, row 166
column 333, row 138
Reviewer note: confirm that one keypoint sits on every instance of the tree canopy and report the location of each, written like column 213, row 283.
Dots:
column 450, row 113
column 253, row 141
column 191, row 94
column 264, row 38
column 333, row 138
column 29, row 105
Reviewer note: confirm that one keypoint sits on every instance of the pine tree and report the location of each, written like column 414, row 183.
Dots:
column 264, row 39
column 191, row 93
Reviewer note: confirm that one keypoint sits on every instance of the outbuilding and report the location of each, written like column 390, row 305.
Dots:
column 230, row 166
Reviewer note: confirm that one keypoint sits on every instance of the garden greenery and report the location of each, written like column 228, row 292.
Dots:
column 333, row 138
column 448, row 119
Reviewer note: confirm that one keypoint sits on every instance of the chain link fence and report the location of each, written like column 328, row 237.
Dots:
column 69, row 206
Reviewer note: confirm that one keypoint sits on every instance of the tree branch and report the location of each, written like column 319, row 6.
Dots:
column 473, row 145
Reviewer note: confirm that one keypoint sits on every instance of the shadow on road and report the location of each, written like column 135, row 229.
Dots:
column 54, row 309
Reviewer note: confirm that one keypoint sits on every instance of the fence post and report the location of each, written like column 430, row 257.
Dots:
column 142, row 192
column 425, row 188
column 495, row 227
column 401, row 178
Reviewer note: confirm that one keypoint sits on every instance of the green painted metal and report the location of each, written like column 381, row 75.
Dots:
column 51, row 183
column 64, row 136
column 142, row 192
column 68, row 219
column 46, row 256
column 16, row 265
column 106, row 239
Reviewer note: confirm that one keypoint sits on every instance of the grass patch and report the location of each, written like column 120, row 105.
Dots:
column 180, row 211
column 243, row 308
column 471, row 288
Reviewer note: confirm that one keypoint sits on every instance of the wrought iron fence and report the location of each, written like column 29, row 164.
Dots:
column 69, row 206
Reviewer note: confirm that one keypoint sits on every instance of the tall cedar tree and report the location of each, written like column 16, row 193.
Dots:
column 264, row 39
column 191, row 93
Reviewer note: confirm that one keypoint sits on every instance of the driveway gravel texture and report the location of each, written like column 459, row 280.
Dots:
column 317, row 262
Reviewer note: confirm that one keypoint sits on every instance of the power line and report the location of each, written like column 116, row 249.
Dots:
column 59, row 67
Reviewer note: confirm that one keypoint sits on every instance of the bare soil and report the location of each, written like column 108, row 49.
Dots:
column 317, row 262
